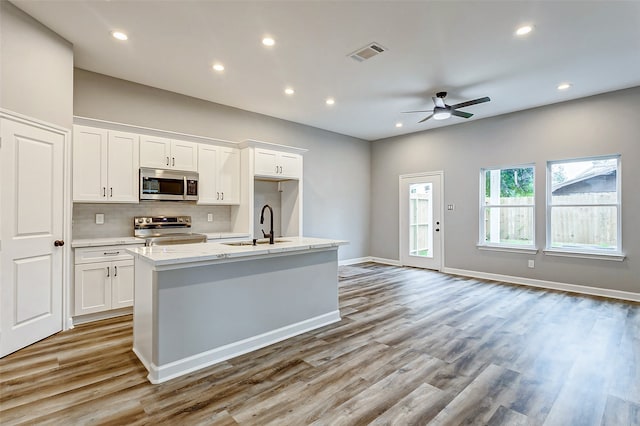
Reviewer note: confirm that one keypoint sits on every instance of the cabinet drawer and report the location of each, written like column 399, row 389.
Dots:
column 103, row 253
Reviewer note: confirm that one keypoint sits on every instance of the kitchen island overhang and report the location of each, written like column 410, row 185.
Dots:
column 200, row 304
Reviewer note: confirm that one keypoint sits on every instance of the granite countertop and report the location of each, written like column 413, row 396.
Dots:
column 111, row 241
column 219, row 235
column 117, row 241
column 206, row 252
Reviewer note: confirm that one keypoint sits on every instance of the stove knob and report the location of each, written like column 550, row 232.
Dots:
column 188, row 220
column 148, row 220
column 140, row 220
column 180, row 219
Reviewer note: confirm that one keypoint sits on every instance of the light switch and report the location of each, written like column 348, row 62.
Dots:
column 210, row 217
column 99, row 218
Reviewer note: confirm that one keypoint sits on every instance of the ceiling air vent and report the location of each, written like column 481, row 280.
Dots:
column 367, row 52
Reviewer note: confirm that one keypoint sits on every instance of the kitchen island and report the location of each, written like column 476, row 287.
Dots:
column 199, row 304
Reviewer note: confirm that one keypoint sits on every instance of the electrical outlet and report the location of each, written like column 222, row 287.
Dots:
column 99, row 218
column 450, row 206
column 210, row 217
column 531, row 263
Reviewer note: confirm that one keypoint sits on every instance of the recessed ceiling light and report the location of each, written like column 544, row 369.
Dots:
column 524, row 30
column 268, row 41
column 289, row 91
column 218, row 67
column 564, row 86
column 398, row 124
column 330, row 101
column 119, row 35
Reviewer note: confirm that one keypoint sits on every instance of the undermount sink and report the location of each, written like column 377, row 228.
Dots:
column 250, row 243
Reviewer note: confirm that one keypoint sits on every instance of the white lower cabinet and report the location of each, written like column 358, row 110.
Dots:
column 103, row 279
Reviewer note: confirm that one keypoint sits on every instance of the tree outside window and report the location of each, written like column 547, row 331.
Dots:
column 508, row 206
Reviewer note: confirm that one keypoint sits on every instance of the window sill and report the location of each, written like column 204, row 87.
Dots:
column 618, row 257
column 508, row 249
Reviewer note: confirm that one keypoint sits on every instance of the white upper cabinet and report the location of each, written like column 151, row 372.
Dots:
column 184, row 155
column 105, row 165
column 122, row 167
column 162, row 153
column 219, row 175
column 155, row 152
column 276, row 164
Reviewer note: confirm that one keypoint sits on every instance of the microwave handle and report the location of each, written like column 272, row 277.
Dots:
column 184, row 195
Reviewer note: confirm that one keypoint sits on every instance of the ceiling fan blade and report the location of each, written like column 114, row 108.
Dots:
column 473, row 102
column 439, row 102
column 426, row 118
column 426, row 110
column 461, row 114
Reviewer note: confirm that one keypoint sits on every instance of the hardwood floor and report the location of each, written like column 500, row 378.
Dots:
column 413, row 347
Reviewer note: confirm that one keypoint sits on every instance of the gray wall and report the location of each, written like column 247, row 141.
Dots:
column 599, row 125
column 36, row 68
column 336, row 168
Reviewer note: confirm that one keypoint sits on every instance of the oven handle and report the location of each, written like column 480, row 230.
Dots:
column 184, row 188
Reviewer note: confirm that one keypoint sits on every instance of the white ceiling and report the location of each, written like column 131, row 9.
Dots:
column 467, row 48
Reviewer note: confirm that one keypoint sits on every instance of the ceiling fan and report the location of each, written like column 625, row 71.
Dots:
column 442, row 111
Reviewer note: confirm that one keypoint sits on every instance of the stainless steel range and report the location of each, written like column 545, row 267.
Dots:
column 166, row 230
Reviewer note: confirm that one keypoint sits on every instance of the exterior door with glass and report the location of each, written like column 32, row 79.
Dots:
column 421, row 220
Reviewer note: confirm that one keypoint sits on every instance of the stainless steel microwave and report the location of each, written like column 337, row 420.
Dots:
column 171, row 185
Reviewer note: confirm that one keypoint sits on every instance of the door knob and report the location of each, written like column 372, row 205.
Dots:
column 58, row 243
column 437, row 229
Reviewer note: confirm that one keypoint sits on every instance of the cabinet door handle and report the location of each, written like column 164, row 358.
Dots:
column 111, row 253
column 173, row 161
column 222, row 195
column 108, row 272
column 167, row 161
column 115, row 271
column 111, row 192
column 280, row 169
column 217, row 195
column 276, row 169
column 104, row 191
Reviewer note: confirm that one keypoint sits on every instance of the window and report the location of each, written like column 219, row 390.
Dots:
column 583, row 205
column 507, row 207
column 420, row 219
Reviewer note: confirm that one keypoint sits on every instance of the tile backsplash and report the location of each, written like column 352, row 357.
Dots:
column 118, row 218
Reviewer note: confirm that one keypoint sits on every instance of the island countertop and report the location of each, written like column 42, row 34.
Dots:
column 186, row 254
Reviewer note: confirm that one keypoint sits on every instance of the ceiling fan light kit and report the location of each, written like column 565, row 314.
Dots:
column 442, row 111
column 441, row 115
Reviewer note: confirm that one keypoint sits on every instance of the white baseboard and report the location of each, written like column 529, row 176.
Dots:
column 83, row 319
column 384, row 261
column 162, row 373
column 552, row 285
column 380, row 260
column 354, row 261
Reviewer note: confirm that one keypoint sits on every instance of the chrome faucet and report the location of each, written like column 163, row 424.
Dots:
column 270, row 234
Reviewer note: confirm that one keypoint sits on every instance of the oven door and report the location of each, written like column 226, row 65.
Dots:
column 162, row 185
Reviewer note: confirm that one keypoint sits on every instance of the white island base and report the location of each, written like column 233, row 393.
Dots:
column 195, row 310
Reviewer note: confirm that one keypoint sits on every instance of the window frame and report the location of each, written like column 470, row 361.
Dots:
column 515, row 248
column 604, row 254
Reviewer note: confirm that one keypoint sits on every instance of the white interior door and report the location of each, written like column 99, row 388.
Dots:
column 31, row 200
column 421, row 220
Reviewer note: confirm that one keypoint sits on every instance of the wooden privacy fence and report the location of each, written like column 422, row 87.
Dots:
column 571, row 225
